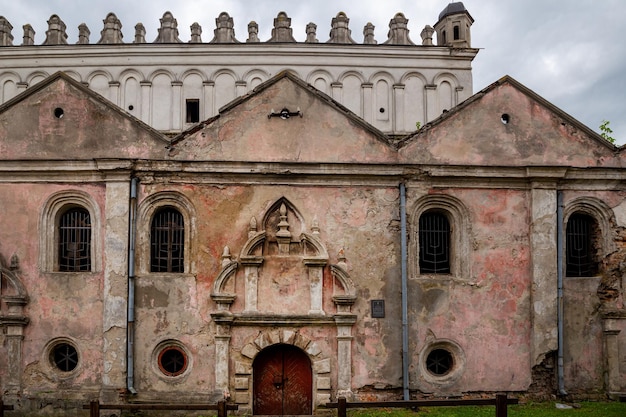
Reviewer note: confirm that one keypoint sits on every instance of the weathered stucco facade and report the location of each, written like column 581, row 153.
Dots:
column 197, row 266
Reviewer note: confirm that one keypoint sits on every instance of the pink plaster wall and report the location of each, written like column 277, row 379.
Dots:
column 60, row 304
column 535, row 135
column 488, row 313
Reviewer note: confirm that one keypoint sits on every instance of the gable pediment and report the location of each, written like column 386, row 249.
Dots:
column 318, row 129
column 61, row 119
column 507, row 124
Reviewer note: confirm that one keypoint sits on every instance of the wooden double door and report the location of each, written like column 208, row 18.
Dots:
column 283, row 381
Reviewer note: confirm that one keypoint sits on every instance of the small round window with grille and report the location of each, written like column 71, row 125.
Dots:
column 442, row 362
column 172, row 361
column 439, row 362
column 64, row 356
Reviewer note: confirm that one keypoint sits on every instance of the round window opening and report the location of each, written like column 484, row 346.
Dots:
column 64, row 357
column 172, row 361
column 439, row 362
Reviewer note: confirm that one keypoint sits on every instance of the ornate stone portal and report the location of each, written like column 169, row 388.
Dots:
column 13, row 298
column 280, row 253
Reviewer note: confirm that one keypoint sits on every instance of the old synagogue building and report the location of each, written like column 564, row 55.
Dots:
column 282, row 223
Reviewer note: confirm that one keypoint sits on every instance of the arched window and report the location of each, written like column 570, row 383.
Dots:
column 167, row 241
column 441, row 226
column 434, row 243
column 74, row 238
column 581, row 246
column 70, row 238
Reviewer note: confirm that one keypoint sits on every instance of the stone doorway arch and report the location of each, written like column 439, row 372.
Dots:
column 282, row 381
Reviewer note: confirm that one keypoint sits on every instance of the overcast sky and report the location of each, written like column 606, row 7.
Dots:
column 571, row 52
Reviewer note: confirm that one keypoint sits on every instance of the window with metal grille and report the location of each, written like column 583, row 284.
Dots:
column 434, row 240
column 64, row 357
column 172, row 361
column 75, row 240
column 439, row 362
column 167, row 237
column 580, row 246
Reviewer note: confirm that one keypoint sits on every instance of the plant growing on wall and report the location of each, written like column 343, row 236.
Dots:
column 606, row 131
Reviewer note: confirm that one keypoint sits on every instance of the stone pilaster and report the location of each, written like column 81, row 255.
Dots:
column 543, row 231
column 344, row 354
column 115, row 288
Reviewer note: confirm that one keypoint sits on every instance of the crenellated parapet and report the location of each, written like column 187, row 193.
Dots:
column 454, row 18
column 172, row 82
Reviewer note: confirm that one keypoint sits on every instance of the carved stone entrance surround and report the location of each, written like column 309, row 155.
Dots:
column 276, row 243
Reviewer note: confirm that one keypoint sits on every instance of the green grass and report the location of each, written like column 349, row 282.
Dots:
column 587, row 409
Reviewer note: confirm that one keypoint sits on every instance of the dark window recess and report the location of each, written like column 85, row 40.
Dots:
column 193, row 111
column 457, row 33
column 172, row 361
column 434, row 238
column 75, row 241
column 65, row 357
column 439, row 362
column 167, row 241
column 581, row 249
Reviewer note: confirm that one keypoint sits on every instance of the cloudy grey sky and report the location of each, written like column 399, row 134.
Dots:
column 571, row 52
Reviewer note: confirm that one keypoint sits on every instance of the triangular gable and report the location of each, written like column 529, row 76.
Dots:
column 323, row 131
column 59, row 118
column 507, row 124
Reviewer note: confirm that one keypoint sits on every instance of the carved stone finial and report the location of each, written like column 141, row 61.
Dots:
column 15, row 262
column 140, row 33
column 56, row 35
column 282, row 31
column 283, row 235
column 427, row 35
column 6, row 38
column 368, row 34
column 339, row 32
column 196, row 33
column 168, row 32
column 226, row 258
column 341, row 258
column 83, row 34
column 315, row 228
column 112, row 31
column 29, row 35
column 311, row 33
column 252, row 229
column 224, row 30
column 398, row 31
column 253, row 32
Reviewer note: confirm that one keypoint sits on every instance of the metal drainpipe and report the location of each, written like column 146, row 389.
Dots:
column 559, row 274
column 130, row 328
column 405, row 321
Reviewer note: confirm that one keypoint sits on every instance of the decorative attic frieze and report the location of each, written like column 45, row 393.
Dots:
column 6, row 38
column 339, row 31
column 83, row 34
column 29, row 35
column 140, row 33
column 225, row 29
column 427, row 35
column 311, row 33
column 196, row 33
column 112, row 31
column 56, row 35
column 398, row 31
column 253, row 32
column 368, row 34
column 282, row 31
column 168, row 32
